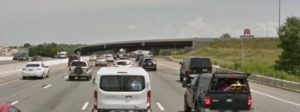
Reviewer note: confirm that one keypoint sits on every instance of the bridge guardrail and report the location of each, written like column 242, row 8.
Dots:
column 270, row 81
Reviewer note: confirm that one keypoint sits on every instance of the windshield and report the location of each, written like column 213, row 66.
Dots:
column 122, row 83
column 78, row 63
column 33, row 65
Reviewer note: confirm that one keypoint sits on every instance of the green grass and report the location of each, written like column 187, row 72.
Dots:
column 259, row 56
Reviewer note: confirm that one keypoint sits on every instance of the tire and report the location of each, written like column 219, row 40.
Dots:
column 181, row 77
column 23, row 78
column 186, row 107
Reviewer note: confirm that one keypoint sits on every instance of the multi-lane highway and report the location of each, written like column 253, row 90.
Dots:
column 57, row 94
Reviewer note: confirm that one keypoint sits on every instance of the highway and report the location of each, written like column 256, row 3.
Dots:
column 57, row 94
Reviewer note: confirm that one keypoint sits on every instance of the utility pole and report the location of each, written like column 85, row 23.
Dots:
column 279, row 14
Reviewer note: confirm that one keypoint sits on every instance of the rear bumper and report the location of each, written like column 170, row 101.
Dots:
column 209, row 110
column 149, row 67
column 80, row 75
column 32, row 74
column 122, row 110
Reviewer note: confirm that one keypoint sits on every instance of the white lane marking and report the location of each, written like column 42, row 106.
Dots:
column 274, row 97
column 160, row 106
column 9, row 82
column 86, row 104
column 47, row 86
column 14, row 103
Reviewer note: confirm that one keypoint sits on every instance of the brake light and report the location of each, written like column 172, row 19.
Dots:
column 207, row 101
column 149, row 100
column 95, row 100
column 249, row 101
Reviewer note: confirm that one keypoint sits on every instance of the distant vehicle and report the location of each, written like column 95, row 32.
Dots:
column 93, row 57
column 101, row 61
column 194, row 65
column 109, row 57
column 62, row 54
column 122, row 89
column 4, row 107
column 141, row 59
column 79, row 69
column 21, row 57
column 73, row 57
column 35, row 69
column 36, row 58
column 138, row 56
column 218, row 92
column 123, row 63
column 124, row 58
column 149, row 64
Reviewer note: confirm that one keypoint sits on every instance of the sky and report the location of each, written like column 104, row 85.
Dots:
column 100, row 21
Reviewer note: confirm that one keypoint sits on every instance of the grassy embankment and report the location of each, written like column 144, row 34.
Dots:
column 259, row 56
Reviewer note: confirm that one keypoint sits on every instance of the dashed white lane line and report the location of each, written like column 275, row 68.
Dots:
column 14, row 103
column 86, row 104
column 47, row 86
column 160, row 106
column 274, row 97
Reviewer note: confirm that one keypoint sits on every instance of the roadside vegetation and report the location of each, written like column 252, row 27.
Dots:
column 51, row 49
column 260, row 56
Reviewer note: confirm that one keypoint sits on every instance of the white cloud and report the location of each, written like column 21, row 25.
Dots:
column 198, row 27
column 132, row 27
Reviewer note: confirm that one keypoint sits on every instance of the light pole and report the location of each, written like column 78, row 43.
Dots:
column 279, row 14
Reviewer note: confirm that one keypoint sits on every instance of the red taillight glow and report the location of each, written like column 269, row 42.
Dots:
column 249, row 101
column 207, row 101
column 95, row 100
column 148, row 99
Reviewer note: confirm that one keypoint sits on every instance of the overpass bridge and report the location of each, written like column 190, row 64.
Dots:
column 190, row 43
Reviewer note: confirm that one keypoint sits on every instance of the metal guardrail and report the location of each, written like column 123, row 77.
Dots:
column 270, row 81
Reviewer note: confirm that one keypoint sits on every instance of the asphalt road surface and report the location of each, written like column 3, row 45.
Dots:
column 57, row 94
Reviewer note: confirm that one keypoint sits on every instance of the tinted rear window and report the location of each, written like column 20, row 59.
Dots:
column 122, row 63
column 78, row 63
column 229, row 85
column 200, row 62
column 33, row 65
column 122, row 83
column 149, row 60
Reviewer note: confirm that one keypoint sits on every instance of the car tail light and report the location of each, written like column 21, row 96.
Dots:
column 249, row 101
column 95, row 108
column 149, row 100
column 207, row 101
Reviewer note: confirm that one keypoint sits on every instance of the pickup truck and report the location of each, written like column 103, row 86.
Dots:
column 229, row 92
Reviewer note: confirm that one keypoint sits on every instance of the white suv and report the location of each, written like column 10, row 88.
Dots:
column 122, row 89
column 78, row 69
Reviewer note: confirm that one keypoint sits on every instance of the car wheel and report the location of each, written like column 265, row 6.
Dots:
column 186, row 107
column 23, row 77
column 180, row 77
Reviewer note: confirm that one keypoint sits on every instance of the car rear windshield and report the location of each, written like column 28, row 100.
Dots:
column 149, row 60
column 199, row 62
column 78, row 63
column 33, row 65
column 122, row 63
column 229, row 85
column 122, row 83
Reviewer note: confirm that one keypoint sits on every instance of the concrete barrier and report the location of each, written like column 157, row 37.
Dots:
column 270, row 81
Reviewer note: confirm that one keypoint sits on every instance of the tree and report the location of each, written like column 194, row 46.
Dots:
column 289, row 36
column 226, row 35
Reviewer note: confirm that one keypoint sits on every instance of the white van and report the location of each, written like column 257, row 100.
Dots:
column 122, row 89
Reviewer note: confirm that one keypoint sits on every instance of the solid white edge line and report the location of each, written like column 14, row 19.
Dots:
column 86, row 104
column 160, row 106
column 293, row 103
column 49, row 85
column 14, row 103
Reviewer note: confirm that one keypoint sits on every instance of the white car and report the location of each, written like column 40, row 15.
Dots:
column 123, row 63
column 101, row 61
column 109, row 57
column 122, row 89
column 35, row 69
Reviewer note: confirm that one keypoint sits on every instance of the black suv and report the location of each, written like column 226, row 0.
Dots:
column 218, row 92
column 21, row 57
column 194, row 65
column 149, row 64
